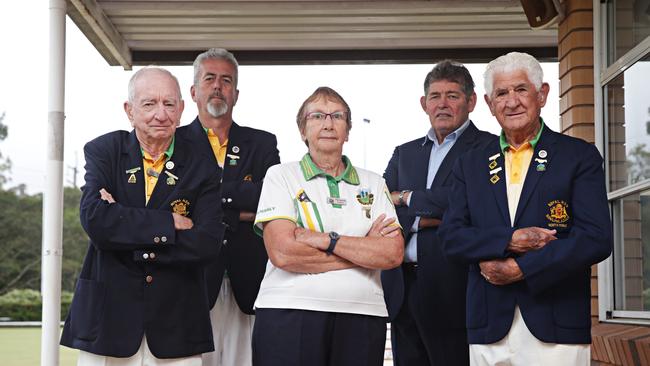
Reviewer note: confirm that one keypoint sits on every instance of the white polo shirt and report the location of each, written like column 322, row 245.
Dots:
column 348, row 204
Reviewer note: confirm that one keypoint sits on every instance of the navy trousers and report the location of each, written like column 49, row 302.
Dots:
column 288, row 337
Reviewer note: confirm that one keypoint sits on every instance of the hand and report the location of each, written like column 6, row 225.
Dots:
column 383, row 227
column 530, row 238
column 181, row 222
column 426, row 222
column 246, row 216
column 104, row 195
column 501, row 271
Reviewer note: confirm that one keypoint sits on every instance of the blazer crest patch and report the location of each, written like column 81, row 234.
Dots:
column 558, row 213
column 181, row 207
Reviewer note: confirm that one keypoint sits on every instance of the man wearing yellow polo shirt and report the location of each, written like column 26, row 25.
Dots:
column 147, row 206
column 243, row 154
column 529, row 215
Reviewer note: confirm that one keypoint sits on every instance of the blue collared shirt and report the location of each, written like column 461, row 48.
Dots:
column 438, row 153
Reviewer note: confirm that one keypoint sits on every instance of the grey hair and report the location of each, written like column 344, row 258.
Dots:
column 215, row 54
column 513, row 61
column 146, row 70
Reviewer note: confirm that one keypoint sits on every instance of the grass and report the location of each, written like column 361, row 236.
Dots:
column 22, row 347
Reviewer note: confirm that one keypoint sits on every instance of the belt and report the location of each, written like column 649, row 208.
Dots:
column 411, row 267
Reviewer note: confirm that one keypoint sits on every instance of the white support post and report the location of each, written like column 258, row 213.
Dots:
column 52, row 249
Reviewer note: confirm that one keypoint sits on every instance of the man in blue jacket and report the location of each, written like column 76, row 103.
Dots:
column 243, row 154
column 426, row 294
column 148, row 209
column 529, row 214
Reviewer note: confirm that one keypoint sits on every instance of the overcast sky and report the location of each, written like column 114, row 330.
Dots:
column 387, row 95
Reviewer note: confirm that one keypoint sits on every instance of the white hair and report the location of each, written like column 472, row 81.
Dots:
column 146, row 70
column 511, row 62
column 216, row 54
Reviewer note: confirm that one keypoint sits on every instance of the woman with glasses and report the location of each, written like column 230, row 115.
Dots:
column 329, row 228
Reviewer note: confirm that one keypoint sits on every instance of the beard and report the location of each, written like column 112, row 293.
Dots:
column 217, row 107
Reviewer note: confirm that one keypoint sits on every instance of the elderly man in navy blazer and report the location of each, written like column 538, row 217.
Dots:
column 148, row 208
column 243, row 154
column 426, row 294
column 529, row 214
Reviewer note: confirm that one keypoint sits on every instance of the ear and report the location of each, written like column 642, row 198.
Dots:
column 487, row 101
column 234, row 102
column 471, row 102
column 193, row 93
column 128, row 109
column 181, row 108
column 423, row 103
column 543, row 94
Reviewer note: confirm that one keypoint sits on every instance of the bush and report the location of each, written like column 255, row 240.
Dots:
column 25, row 305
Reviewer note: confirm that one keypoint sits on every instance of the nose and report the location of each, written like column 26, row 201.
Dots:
column 512, row 100
column 161, row 113
column 328, row 122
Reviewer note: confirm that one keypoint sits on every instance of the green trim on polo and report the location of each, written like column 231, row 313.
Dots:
column 310, row 170
column 168, row 153
column 504, row 144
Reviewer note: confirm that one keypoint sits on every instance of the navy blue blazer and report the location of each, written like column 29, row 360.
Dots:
column 442, row 288
column 141, row 276
column 243, row 254
column 564, row 190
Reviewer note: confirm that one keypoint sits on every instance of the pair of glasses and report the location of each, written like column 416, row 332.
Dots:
column 320, row 116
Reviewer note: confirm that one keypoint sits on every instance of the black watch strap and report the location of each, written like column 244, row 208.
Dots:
column 334, row 238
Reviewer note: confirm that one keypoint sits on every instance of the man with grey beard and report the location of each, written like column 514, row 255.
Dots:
column 243, row 154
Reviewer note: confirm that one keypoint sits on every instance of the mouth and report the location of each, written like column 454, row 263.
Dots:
column 443, row 115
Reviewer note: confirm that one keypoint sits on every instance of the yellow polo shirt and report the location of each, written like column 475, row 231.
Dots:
column 153, row 168
column 517, row 162
column 219, row 149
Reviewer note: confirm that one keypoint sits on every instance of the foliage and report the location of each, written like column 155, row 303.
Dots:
column 20, row 235
column 25, row 305
column 638, row 164
column 5, row 163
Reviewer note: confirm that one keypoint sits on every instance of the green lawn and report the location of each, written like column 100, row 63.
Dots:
column 22, row 347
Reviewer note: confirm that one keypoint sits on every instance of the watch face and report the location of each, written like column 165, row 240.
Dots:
column 334, row 235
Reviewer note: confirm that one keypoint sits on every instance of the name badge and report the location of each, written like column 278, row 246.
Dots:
column 337, row 201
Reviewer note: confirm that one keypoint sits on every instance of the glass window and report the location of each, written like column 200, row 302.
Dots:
column 628, row 122
column 629, row 24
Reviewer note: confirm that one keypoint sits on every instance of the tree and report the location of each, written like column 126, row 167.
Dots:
column 5, row 163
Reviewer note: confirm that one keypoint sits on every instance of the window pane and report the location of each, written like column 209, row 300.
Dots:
column 628, row 121
column 629, row 24
column 631, row 270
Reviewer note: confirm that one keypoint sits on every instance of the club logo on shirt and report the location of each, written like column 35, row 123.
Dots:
column 365, row 198
column 558, row 213
column 181, row 207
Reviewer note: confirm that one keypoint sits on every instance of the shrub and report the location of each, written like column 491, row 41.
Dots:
column 25, row 305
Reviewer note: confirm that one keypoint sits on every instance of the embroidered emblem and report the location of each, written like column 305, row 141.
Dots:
column 365, row 198
column 558, row 213
column 248, row 178
column 181, row 207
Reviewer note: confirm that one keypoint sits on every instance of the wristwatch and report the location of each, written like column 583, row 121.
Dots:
column 334, row 238
column 400, row 197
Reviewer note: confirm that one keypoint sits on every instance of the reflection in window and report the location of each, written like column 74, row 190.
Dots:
column 628, row 121
column 632, row 270
column 629, row 24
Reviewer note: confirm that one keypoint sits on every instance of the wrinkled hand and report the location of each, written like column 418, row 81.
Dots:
column 428, row 222
column 246, row 216
column 382, row 227
column 501, row 271
column 530, row 238
column 181, row 222
column 104, row 195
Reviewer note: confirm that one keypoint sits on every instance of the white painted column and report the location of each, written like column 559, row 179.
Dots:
column 53, row 193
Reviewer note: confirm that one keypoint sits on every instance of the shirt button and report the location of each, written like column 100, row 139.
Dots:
column 149, row 279
column 145, row 256
column 156, row 240
column 163, row 239
column 152, row 255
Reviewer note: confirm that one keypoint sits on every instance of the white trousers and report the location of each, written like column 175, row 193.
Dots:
column 232, row 331
column 521, row 348
column 141, row 358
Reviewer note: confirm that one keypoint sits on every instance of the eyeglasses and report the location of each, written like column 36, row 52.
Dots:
column 320, row 116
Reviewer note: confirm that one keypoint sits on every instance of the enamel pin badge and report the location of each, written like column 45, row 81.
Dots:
column 494, row 168
column 131, row 172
